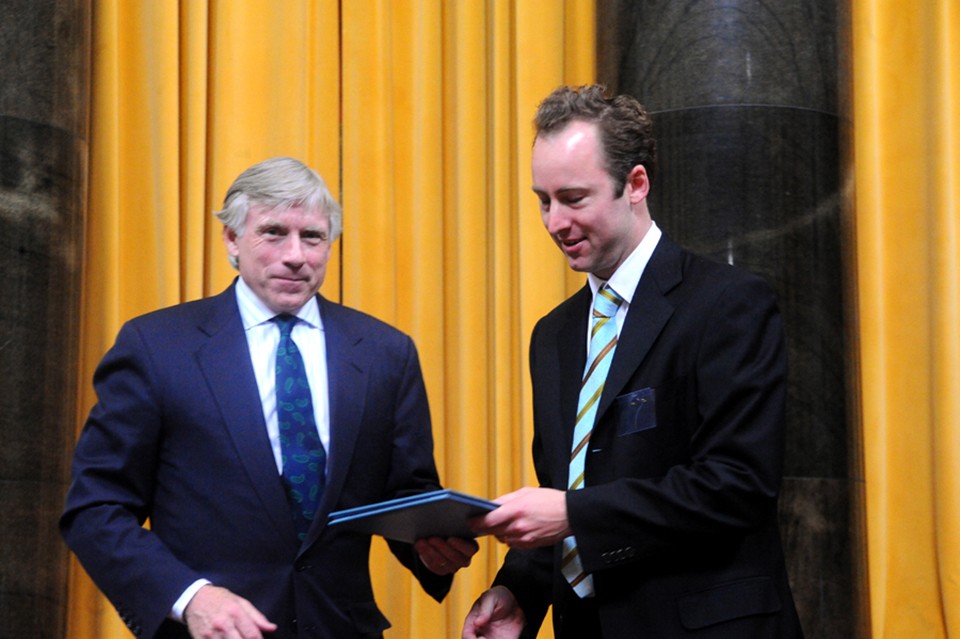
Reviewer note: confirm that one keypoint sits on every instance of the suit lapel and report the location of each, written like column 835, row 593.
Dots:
column 572, row 355
column 347, row 383
column 649, row 312
column 225, row 362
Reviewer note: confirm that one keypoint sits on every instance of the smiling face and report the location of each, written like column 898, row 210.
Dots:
column 595, row 228
column 282, row 254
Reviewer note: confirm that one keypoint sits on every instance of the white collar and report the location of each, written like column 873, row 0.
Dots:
column 625, row 279
column 254, row 312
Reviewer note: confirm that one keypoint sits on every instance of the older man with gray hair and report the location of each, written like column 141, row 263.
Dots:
column 236, row 424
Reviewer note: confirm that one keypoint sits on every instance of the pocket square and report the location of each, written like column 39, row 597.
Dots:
column 636, row 411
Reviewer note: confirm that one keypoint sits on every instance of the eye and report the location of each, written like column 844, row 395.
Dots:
column 314, row 238
column 271, row 231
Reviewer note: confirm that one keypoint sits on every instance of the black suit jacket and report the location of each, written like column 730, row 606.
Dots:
column 677, row 522
column 178, row 437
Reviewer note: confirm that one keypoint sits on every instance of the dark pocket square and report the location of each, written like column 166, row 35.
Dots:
column 636, row 411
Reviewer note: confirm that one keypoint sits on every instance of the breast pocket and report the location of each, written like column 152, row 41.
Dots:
column 636, row 411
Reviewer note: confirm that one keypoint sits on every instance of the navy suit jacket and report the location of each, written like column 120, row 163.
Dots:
column 177, row 437
column 678, row 519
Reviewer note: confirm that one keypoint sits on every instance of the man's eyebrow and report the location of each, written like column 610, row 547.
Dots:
column 560, row 191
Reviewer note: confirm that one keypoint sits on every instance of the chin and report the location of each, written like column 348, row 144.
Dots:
column 287, row 305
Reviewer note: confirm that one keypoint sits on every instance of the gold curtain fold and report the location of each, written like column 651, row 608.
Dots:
column 418, row 115
column 907, row 171
column 437, row 102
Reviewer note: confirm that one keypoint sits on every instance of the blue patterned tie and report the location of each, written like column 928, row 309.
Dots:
column 603, row 343
column 301, row 450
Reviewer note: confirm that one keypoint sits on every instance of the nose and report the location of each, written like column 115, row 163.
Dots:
column 555, row 219
column 293, row 250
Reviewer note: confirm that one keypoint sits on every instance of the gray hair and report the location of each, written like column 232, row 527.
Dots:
column 278, row 183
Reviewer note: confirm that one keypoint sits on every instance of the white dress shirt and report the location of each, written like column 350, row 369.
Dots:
column 625, row 279
column 263, row 335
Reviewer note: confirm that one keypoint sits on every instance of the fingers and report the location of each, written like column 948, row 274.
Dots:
column 465, row 548
column 479, row 616
column 472, row 623
column 527, row 518
column 256, row 618
column 495, row 614
column 217, row 613
column 498, row 519
column 446, row 556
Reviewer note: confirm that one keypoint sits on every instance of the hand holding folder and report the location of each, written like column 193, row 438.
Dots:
column 440, row 513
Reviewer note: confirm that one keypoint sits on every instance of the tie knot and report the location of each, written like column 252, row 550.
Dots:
column 285, row 322
column 606, row 302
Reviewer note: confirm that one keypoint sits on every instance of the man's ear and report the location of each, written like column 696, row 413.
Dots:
column 230, row 240
column 638, row 184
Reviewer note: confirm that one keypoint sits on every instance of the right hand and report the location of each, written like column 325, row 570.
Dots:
column 495, row 615
column 217, row 613
column 527, row 518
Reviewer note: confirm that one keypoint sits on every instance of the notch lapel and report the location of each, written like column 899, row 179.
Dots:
column 572, row 356
column 347, row 382
column 649, row 312
column 225, row 362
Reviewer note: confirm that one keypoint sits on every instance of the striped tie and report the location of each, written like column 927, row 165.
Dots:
column 603, row 342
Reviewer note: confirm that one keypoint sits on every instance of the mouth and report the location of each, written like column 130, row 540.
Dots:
column 288, row 280
column 571, row 244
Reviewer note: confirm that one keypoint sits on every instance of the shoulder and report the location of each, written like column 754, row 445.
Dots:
column 722, row 302
column 573, row 309
column 191, row 312
column 186, row 324
column 680, row 273
column 352, row 322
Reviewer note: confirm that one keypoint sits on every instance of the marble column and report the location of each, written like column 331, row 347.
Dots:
column 43, row 148
column 750, row 109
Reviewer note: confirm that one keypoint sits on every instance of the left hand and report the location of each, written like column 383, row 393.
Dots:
column 215, row 612
column 527, row 518
column 495, row 615
column 446, row 556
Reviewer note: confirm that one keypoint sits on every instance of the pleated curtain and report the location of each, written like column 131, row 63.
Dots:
column 906, row 203
column 417, row 113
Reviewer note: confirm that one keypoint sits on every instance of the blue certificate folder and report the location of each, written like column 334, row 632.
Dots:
column 441, row 513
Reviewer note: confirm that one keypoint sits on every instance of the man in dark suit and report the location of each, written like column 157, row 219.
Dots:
column 656, row 514
column 192, row 432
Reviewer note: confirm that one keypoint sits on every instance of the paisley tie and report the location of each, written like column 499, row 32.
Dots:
column 304, row 459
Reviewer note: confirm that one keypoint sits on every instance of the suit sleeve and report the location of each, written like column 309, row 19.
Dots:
column 727, row 457
column 528, row 574
column 413, row 468
column 109, row 498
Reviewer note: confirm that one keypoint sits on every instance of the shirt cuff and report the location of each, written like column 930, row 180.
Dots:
column 176, row 613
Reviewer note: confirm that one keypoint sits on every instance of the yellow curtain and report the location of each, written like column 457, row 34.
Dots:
column 446, row 243
column 418, row 115
column 907, row 159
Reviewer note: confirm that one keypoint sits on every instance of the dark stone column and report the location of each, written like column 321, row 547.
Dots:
column 43, row 148
column 751, row 115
